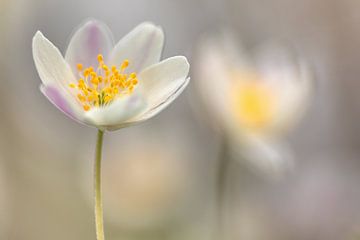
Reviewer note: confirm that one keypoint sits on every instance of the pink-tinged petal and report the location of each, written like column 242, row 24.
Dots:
column 56, row 97
column 90, row 40
column 142, row 47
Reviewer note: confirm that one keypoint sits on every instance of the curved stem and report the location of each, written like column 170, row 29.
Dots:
column 99, row 219
column 221, row 176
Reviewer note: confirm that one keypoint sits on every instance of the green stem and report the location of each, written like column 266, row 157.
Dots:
column 99, row 219
column 221, row 176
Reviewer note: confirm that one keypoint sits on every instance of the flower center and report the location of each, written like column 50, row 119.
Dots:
column 253, row 104
column 101, row 86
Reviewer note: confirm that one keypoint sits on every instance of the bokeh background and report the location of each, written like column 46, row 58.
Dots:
column 159, row 177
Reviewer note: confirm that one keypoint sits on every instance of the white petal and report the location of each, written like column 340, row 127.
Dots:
column 161, row 84
column 291, row 80
column 51, row 66
column 161, row 80
column 153, row 111
column 294, row 102
column 213, row 80
column 276, row 65
column 113, row 116
column 142, row 47
column 55, row 74
column 90, row 40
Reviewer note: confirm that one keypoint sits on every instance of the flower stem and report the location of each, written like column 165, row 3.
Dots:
column 99, row 219
column 221, row 176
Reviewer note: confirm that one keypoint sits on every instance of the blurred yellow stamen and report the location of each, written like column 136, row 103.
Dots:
column 101, row 87
column 254, row 104
column 79, row 66
column 125, row 64
column 86, row 107
column 100, row 58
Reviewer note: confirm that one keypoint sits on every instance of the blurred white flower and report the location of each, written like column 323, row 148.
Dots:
column 97, row 82
column 255, row 100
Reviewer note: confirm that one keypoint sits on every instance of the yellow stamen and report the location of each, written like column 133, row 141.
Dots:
column 100, row 58
column 107, row 98
column 95, row 81
column 125, row 64
column 81, row 98
column 86, row 72
column 79, row 66
column 101, row 87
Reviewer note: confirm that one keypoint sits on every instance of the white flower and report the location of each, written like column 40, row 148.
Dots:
column 256, row 100
column 107, row 85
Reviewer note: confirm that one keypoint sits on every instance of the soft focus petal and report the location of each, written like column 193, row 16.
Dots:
column 91, row 39
column 291, row 80
column 213, row 80
column 142, row 47
column 295, row 102
column 265, row 155
column 51, row 66
column 57, row 98
column 113, row 116
column 161, row 80
column 277, row 67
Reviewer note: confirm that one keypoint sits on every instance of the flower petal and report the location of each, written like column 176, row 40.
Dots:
column 267, row 156
column 91, row 39
column 142, row 47
column 213, row 80
column 162, row 80
column 295, row 101
column 154, row 110
column 291, row 79
column 57, row 98
column 112, row 117
column 55, row 74
column 51, row 66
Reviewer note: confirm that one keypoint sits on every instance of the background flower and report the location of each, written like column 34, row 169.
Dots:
column 255, row 98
